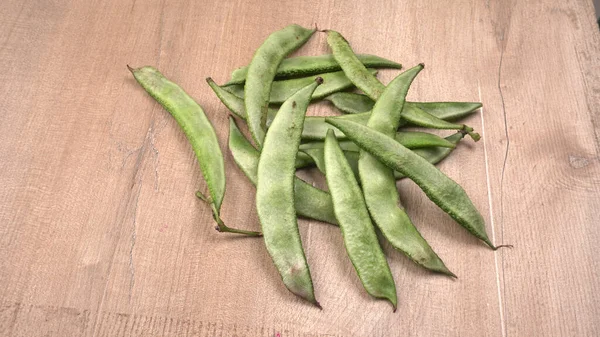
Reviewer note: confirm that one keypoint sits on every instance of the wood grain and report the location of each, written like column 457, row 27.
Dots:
column 101, row 234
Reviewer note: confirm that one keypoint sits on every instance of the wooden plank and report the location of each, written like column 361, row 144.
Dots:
column 101, row 234
column 545, row 176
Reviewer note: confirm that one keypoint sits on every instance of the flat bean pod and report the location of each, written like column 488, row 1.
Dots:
column 303, row 160
column 410, row 139
column 314, row 127
column 379, row 185
column 349, row 102
column 261, row 73
column 418, row 116
column 442, row 190
column 275, row 194
column 282, row 90
column 351, row 65
column 371, row 86
column 312, row 65
column 318, row 157
column 310, row 201
column 238, row 89
column 199, row 132
column 448, row 111
column 358, row 231
column 433, row 155
column 234, row 103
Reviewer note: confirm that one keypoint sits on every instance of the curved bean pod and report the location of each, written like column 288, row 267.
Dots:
column 358, row 231
column 448, row 111
column 282, row 90
column 349, row 102
column 433, row 155
column 438, row 187
column 379, row 185
column 198, row 130
column 371, row 86
column 275, row 194
column 303, row 160
column 314, row 127
column 234, row 103
column 238, row 89
column 312, row 65
column 418, row 139
column 351, row 65
column 318, row 157
column 310, row 201
column 418, row 116
column 410, row 139
column 261, row 73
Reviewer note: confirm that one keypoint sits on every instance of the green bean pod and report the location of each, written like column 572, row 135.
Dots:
column 275, row 194
column 238, row 89
column 418, row 116
column 261, row 73
column 359, row 235
column 198, row 130
column 352, row 67
column 315, row 127
column 234, row 103
column 303, row 160
column 318, row 157
column 282, row 90
column 310, row 201
column 312, row 65
column 350, row 103
column 379, row 185
column 410, row 139
column 433, row 155
column 448, row 111
column 438, row 187
column 358, row 74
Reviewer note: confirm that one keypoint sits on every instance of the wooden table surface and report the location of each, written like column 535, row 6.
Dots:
column 101, row 235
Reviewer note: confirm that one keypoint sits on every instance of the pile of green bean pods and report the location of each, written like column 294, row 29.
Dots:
column 362, row 153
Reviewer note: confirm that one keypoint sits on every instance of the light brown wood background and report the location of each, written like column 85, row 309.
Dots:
column 101, row 235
